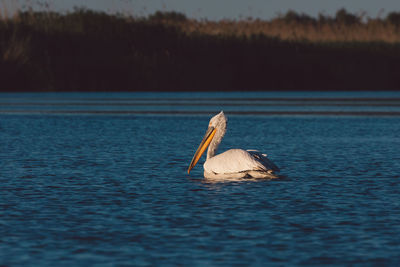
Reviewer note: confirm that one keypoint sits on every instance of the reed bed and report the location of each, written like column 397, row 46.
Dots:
column 86, row 50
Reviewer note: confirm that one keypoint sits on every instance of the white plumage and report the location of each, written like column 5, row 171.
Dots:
column 234, row 163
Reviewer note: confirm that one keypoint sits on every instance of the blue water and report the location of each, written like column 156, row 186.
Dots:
column 106, row 184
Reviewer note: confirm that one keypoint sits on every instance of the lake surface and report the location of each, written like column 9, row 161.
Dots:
column 101, row 179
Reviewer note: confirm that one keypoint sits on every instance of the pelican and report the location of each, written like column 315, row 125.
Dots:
column 234, row 163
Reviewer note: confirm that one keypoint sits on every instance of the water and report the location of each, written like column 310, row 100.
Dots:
column 104, row 181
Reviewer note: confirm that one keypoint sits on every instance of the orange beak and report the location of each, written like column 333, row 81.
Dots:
column 202, row 147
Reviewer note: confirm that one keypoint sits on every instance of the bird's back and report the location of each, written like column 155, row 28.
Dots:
column 238, row 160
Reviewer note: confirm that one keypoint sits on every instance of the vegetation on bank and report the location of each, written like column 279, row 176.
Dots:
column 93, row 51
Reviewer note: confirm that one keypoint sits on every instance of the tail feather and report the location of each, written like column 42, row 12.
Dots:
column 262, row 158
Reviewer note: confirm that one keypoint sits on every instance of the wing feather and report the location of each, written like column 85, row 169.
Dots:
column 262, row 158
column 239, row 160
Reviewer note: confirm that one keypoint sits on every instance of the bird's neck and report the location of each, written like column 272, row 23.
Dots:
column 213, row 147
column 212, row 150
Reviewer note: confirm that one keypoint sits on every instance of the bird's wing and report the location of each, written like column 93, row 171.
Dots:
column 262, row 158
column 238, row 160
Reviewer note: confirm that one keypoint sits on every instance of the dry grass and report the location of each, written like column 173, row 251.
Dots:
column 371, row 31
column 345, row 27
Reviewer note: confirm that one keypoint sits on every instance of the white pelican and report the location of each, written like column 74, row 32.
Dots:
column 234, row 163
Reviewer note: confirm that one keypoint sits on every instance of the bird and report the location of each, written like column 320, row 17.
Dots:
column 233, row 163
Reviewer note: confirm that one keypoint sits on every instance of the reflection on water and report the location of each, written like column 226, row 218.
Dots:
column 233, row 179
column 313, row 103
column 100, row 189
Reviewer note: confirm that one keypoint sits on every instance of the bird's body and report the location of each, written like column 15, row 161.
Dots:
column 234, row 163
column 240, row 164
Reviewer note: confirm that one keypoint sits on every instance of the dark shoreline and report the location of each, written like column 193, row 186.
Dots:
column 244, row 113
column 96, row 52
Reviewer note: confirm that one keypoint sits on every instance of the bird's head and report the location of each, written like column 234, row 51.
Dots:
column 218, row 121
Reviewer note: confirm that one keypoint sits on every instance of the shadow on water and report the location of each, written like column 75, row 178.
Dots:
column 235, row 180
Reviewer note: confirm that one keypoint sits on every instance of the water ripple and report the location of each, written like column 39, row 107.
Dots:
column 113, row 190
